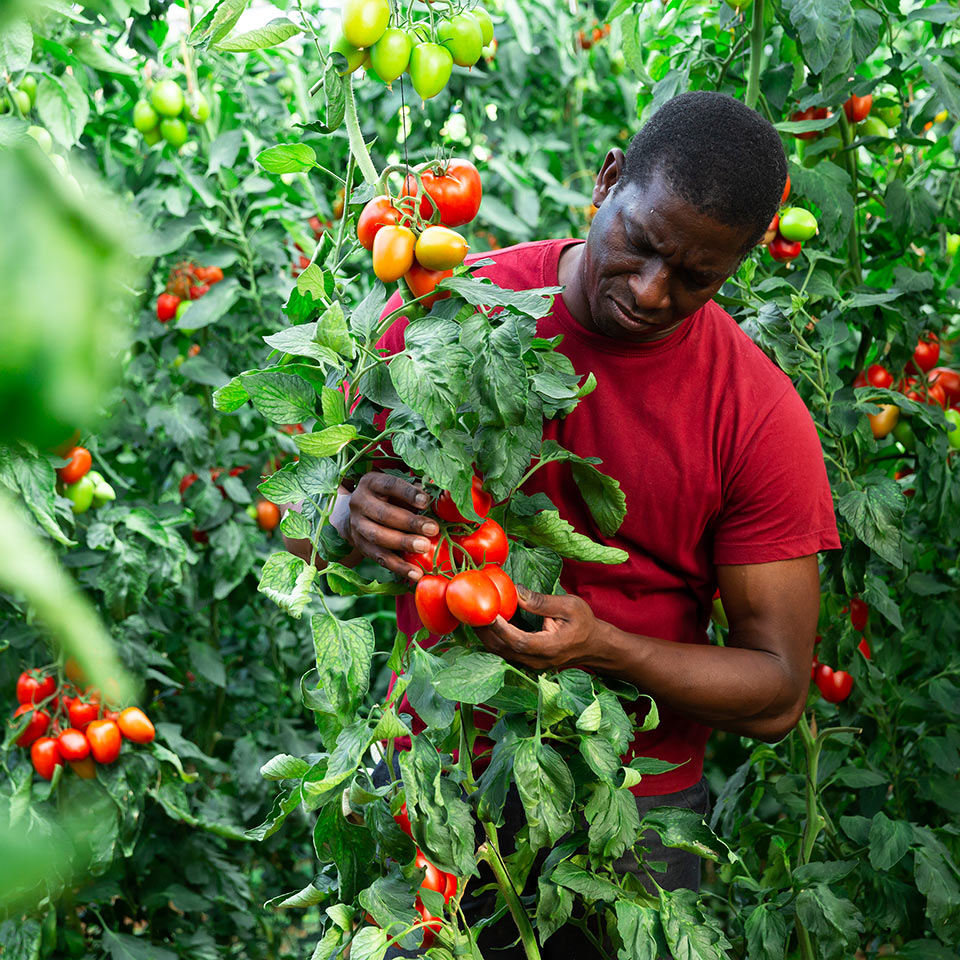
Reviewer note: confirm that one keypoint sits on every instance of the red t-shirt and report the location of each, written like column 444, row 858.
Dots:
column 716, row 454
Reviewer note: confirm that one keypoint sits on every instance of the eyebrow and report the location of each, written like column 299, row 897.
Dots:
column 642, row 237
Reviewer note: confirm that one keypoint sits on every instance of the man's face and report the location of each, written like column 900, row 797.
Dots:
column 651, row 259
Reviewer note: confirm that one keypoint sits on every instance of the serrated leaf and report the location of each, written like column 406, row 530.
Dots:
column 63, row 107
column 548, row 529
column 326, row 442
column 287, row 580
column 16, row 45
column 473, row 678
column 874, row 508
column 277, row 31
column 284, row 767
column 281, row 397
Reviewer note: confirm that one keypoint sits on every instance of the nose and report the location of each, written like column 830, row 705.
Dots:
column 651, row 289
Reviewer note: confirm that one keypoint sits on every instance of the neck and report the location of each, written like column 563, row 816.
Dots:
column 569, row 274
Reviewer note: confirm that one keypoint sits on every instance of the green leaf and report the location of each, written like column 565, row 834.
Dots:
column 685, row 830
column 546, row 789
column 554, row 908
column 211, row 307
column 207, row 662
column 366, row 317
column 301, row 340
column 284, row 767
column 294, row 525
column 689, row 934
column 588, row 885
column 288, row 158
column 16, row 45
column 834, row 919
column 532, row 303
column 281, row 398
column 275, row 32
column 88, row 51
column 472, row 678
column 766, row 932
column 602, row 494
column 344, row 652
column 287, row 581
column 874, row 508
column 614, row 821
column 327, row 442
column 216, row 25
column 283, row 486
column 332, row 332
column 63, row 107
column 548, row 529
column 889, row 841
column 640, row 930
column 346, row 582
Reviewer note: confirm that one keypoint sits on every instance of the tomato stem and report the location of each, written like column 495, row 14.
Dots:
column 756, row 55
column 357, row 145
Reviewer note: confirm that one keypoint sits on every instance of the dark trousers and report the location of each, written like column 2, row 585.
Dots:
column 497, row 941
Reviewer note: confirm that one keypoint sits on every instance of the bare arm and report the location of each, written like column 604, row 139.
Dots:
column 755, row 686
column 378, row 521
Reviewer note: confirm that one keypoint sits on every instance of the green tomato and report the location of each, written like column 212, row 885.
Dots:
column 198, row 108
column 486, row 24
column 364, row 21
column 251, row 511
column 103, row 492
column 80, row 494
column 390, row 55
column 285, row 87
column 875, row 127
column 178, row 361
column 29, row 86
column 904, row 435
column 60, row 164
column 738, row 4
column 42, row 137
column 182, row 308
column 144, row 116
column 22, row 100
column 890, row 115
column 430, row 69
column 462, row 36
column 167, row 98
column 174, row 131
column 354, row 56
column 953, row 244
column 797, row 224
column 153, row 136
column 953, row 427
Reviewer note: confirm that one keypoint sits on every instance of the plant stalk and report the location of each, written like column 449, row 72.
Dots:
column 756, row 55
column 357, row 146
column 490, row 852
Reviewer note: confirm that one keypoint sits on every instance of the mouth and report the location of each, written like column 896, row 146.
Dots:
column 631, row 321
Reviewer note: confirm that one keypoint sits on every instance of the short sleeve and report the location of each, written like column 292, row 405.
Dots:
column 777, row 503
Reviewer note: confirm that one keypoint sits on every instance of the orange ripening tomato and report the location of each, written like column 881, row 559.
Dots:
column 393, row 252
column 883, row 422
column 422, row 282
column 135, row 725
column 440, row 248
column 79, row 465
column 105, row 740
column 857, row 108
column 268, row 515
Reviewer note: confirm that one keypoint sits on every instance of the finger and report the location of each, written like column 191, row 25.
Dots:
column 398, row 488
column 389, row 560
column 385, row 514
column 386, row 538
column 541, row 604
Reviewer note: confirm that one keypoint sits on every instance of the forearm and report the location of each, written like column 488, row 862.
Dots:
column 340, row 520
column 745, row 691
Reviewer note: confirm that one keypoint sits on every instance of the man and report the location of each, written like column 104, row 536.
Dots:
column 718, row 457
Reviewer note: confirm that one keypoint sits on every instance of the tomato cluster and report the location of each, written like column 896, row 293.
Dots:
column 427, row 51
column 789, row 229
column 835, row 685
column 64, row 723
column 434, row 879
column 857, row 111
column 447, row 595
column 165, row 114
column 185, row 282
column 83, row 487
column 587, row 38
column 405, row 238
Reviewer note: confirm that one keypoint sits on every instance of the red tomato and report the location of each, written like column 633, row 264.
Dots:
column 434, row 879
column 135, row 725
column 949, row 380
column 456, row 192
column 268, row 515
column 196, row 292
column 487, row 544
column 379, row 212
column 187, row 482
column 430, row 598
column 771, row 231
column 813, row 668
column 857, row 108
column 834, row 685
column 472, row 598
column 859, row 614
column 450, row 891
column 37, row 726
column 79, row 465
column 209, row 275
column 105, row 740
column 783, row 250
column 447, row 510
column 167, row 305
column 33, row 687
column 807, row 114
column 879, row 376
column 73, row 744
column 82, row 713
column 291, row 428
column 927, row 352
column 422, row 281
column 45, row 755
column 403, row 820
column 860, row 380
column 935, row 393
column 505, row 587
column 432, row 924
column 436, row 555
column 864, row 647
column 786, row 191
column 85, row 768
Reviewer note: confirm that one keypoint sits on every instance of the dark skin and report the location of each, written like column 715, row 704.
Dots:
column 650, row 261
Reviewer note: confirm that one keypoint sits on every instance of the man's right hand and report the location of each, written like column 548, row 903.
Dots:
column 382, row 528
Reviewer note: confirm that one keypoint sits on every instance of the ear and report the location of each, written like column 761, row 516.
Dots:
column 609, row 175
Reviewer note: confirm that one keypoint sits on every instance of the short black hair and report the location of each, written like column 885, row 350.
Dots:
column 716, row 154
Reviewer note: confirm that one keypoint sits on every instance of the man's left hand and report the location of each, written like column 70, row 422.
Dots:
column 568, row 637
